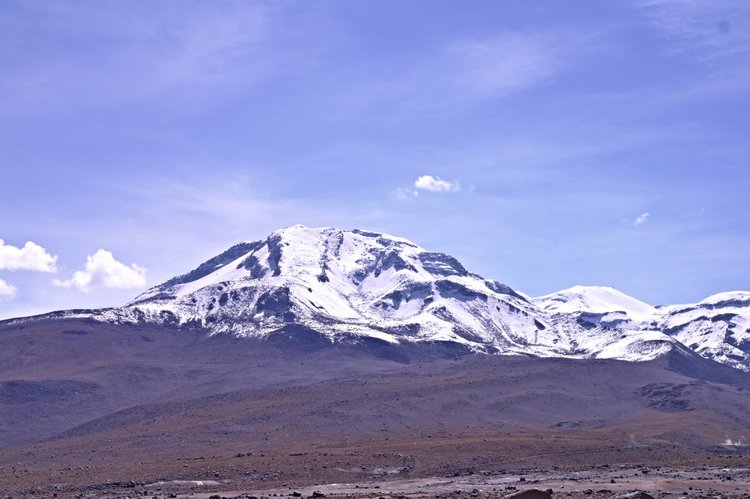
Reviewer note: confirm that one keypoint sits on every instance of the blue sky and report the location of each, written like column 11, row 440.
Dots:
column 557, row 143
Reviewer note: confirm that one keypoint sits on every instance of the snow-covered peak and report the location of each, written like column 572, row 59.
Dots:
column 307, row 235
column 717, row 327
column 341, row 282
column 594, row 299
column 727, row 297
column 302, row 254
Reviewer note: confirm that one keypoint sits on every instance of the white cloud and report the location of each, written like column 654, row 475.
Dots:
column 103, row 270
column 30, row 257
column 641, row 219
column 436, row 184
column 7, row 290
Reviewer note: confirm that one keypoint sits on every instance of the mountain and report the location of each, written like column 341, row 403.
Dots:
column 346, row 286
column 718, row 327
column 596, row 300
column 325, row 285
column 606, row 323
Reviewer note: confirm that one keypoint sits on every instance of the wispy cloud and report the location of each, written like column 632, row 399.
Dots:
column 102, row 269
column 503, row 64
column 7, row 290
column 29, row 257
column 165, row 51
column 706, row 30
column 467, row 70
column 200, row 213
column 641, row 219
column 404, row 193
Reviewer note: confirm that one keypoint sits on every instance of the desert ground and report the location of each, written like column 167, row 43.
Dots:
column 94, row 410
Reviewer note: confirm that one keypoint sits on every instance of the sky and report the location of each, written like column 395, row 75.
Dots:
column 544, row 144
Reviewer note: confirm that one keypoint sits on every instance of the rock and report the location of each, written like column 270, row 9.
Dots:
column 636, row 495
column 530, row 494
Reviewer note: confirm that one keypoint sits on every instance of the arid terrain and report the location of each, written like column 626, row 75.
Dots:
column 103, row 410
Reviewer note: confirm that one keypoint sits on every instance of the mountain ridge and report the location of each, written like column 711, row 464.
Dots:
column 355, row 285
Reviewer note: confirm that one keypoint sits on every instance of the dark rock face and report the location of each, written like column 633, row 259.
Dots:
column 274, row 254
column 405, row 330
column 215, row 263
column 441, row 264
column 366, row 233
column 743, row 345
column 503, row 289
column 275, row 303
column 727, row 303
column 450, row 289
column 413, row 291
column 390, row 260
column 159, row 296
column 608, row 320
column 251, row 263
column 384, row 260
column 168, row 319
column 723, row 317
column 733, row 303
column 332, row 252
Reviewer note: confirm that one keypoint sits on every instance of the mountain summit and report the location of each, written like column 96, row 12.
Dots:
column 333, row 285
column 348, row 284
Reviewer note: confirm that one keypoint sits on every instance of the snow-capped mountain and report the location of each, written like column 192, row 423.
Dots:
column 595, row 300
column 350, row 285
column 606, row 323
column 347, row 284
column 718, row 327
